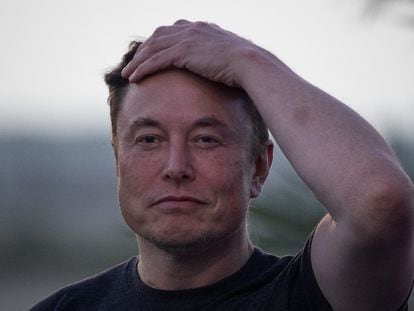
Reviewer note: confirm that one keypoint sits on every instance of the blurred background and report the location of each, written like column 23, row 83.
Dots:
column 59, row 217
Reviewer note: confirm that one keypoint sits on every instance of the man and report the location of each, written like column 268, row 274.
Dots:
column 191, row 151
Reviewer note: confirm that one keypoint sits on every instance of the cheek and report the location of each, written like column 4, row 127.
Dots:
column 232, row 180
column 133, row 195
column 134, row 167
column 136, row 178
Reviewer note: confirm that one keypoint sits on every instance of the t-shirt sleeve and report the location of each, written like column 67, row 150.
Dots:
column 306, row 287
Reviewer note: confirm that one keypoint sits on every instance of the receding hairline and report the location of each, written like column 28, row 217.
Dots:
column 229, row 95
column 191, row 76
column 118, row 87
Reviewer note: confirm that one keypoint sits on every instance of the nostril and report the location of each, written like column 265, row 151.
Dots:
column 178, row 164
column 178, row 173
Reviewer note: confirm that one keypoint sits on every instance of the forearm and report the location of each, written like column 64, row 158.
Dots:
column 336, row 152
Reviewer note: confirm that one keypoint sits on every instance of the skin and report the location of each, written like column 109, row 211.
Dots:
column 186, row 178
column 362, row 251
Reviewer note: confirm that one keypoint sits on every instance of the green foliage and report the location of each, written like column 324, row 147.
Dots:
column 281, row 220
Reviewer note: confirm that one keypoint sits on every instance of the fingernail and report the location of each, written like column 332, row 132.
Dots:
column 123, row 72
column 132, row 78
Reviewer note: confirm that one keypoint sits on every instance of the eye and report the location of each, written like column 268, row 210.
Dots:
column 207, row 141
column 148, row 141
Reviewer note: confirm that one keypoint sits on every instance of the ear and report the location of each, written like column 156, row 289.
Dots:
column 262, row 167
column 116, row 157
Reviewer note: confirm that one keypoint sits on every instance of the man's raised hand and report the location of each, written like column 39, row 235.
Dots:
column 202, row 48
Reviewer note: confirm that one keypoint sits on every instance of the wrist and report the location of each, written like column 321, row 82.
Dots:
column 254, row 66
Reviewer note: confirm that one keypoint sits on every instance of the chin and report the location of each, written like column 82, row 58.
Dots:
column 180, row 242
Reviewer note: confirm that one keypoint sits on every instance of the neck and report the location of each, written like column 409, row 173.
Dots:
column 194, row 267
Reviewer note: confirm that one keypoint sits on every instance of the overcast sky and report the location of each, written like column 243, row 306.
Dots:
column 53, row 55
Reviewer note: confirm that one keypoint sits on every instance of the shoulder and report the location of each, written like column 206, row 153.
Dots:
column 289, row 281
column 109, row 284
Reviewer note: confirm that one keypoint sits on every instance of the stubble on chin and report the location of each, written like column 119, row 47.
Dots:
column 192, row 244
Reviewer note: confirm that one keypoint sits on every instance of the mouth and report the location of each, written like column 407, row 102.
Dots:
column 178, row 199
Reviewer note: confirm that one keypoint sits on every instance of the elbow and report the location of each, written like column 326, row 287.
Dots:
column 388, row 206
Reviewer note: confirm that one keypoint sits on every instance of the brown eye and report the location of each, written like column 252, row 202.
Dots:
column 207, row 142
column 147, row 140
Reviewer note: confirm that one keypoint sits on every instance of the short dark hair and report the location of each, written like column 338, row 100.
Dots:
column 118, row 86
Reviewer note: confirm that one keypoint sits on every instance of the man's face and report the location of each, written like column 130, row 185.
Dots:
column 185, row 175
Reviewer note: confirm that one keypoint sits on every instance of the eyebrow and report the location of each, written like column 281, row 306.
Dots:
column 144, row 122
column 208, row 121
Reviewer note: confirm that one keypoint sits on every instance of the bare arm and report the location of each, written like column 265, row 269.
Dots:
column 362, row 252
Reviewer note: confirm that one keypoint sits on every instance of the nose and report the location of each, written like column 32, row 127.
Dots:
column 178, row 164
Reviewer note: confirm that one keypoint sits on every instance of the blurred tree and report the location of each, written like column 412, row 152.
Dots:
column 281, row 220
column 284, row 215
column 402, row 10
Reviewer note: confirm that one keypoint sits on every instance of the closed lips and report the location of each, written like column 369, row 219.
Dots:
column 179, row 199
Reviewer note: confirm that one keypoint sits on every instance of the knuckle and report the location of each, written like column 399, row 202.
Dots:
column 151, row 43
column 159, row 30
column 197, row 28
column 181, row 21
column 200, row 25
column 194, row 30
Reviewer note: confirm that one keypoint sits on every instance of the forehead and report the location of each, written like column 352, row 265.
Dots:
column 180, row 97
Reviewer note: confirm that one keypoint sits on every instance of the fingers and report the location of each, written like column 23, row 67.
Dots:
column 160, row 39
column 183, row 45
column 154, row 63
column 182, row 22
column 148, row 50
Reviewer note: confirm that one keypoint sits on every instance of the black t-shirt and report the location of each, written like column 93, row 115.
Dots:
column 265, row 282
